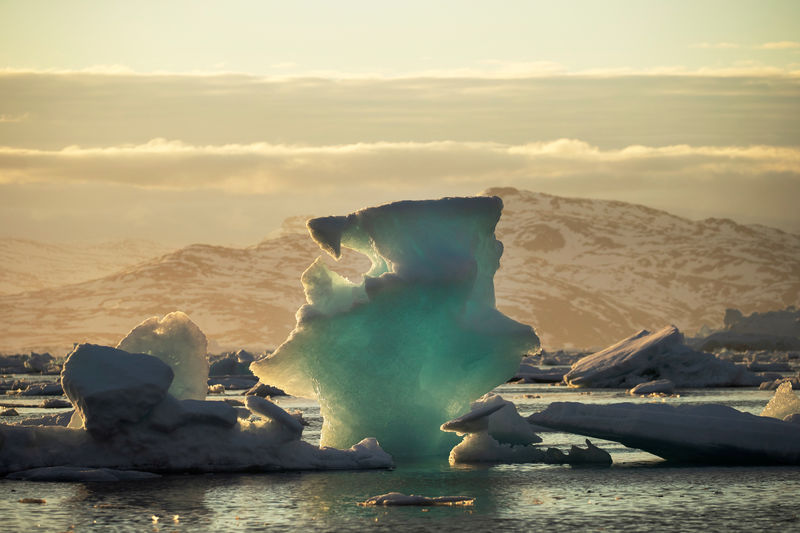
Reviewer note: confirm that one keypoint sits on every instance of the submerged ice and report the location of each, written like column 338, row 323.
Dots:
column 406, row 348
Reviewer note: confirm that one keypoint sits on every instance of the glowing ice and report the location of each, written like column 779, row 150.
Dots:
column 783, row 404
column 407, row 348
column 177, row 341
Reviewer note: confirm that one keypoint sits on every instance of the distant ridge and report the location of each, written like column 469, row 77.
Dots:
column 29, row 265
column 583, row 272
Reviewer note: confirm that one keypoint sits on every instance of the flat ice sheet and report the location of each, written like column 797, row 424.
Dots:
column 709, row 433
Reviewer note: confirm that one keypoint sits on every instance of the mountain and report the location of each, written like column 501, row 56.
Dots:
column 30, row 265
column 586, row 273
column 583, row 272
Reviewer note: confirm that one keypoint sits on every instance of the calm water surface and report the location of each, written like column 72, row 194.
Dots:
column 639, row 493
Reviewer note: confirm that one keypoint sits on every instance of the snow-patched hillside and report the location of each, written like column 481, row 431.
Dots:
column 31, row 265
column 582, row 272
column 587, row 272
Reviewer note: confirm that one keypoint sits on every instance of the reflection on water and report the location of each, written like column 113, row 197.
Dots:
column 638, row 493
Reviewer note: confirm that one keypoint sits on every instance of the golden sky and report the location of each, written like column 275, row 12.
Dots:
column 212, row 121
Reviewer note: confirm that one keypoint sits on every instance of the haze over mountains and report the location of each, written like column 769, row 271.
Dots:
column 584, row 273
column 30, row 265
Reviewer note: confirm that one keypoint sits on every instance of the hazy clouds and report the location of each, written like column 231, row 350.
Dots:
column 606, row 111
column 129, row 153
column 274, row 169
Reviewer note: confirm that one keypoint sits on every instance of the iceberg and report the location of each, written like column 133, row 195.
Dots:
column 771, row 330
column 177, row 341
column 704, row 433
column 661, row 355
column 406, row 348
column 125, row 418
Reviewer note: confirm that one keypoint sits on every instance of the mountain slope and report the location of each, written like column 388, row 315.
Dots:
column 584, row 273
column 588, row 272
column 30, row 265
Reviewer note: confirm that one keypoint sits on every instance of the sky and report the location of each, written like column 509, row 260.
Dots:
column 192, row 121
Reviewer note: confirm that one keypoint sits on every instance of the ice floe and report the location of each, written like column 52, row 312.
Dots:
column 705, row 433
column 649, row 356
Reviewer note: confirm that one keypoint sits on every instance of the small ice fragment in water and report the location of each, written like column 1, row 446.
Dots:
column 398, row 498
column 663, row 386
column 472, row 422
column 783, row 404
column 266, row 408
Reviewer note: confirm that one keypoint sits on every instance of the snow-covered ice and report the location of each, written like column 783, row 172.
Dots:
column 177, row 341
column 125, row 419
column 407, row 347
column 111, row 387
column 704, row 433
column 494, row 432
column 649, row 356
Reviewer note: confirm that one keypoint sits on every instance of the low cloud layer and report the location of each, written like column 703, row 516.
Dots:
column 609, row 110
column 268, row 168
column 747, row 183
column 223, row 158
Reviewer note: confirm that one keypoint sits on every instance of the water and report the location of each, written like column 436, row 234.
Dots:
column 639, row 493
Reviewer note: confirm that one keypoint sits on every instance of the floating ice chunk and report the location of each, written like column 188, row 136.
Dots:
column 591, row 455
column 481, row 447
column 530, row 372
column 78, row 473
column 42, row 389
column 793, row 381
column 495, row 433
column 647, row 356
column 170, row 414
column 772, row 330
column 266, row 408
column 662, row 386
column 472, row 422
column 398, row 498
column 55, row 419
column 263, row 390
column 505, row 424
column 405, row 349
column 706, row 433
column 177, row 341
column 783, row 404
column 109, row 387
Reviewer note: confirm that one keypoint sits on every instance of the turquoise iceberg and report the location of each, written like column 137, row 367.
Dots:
column 406, row 348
